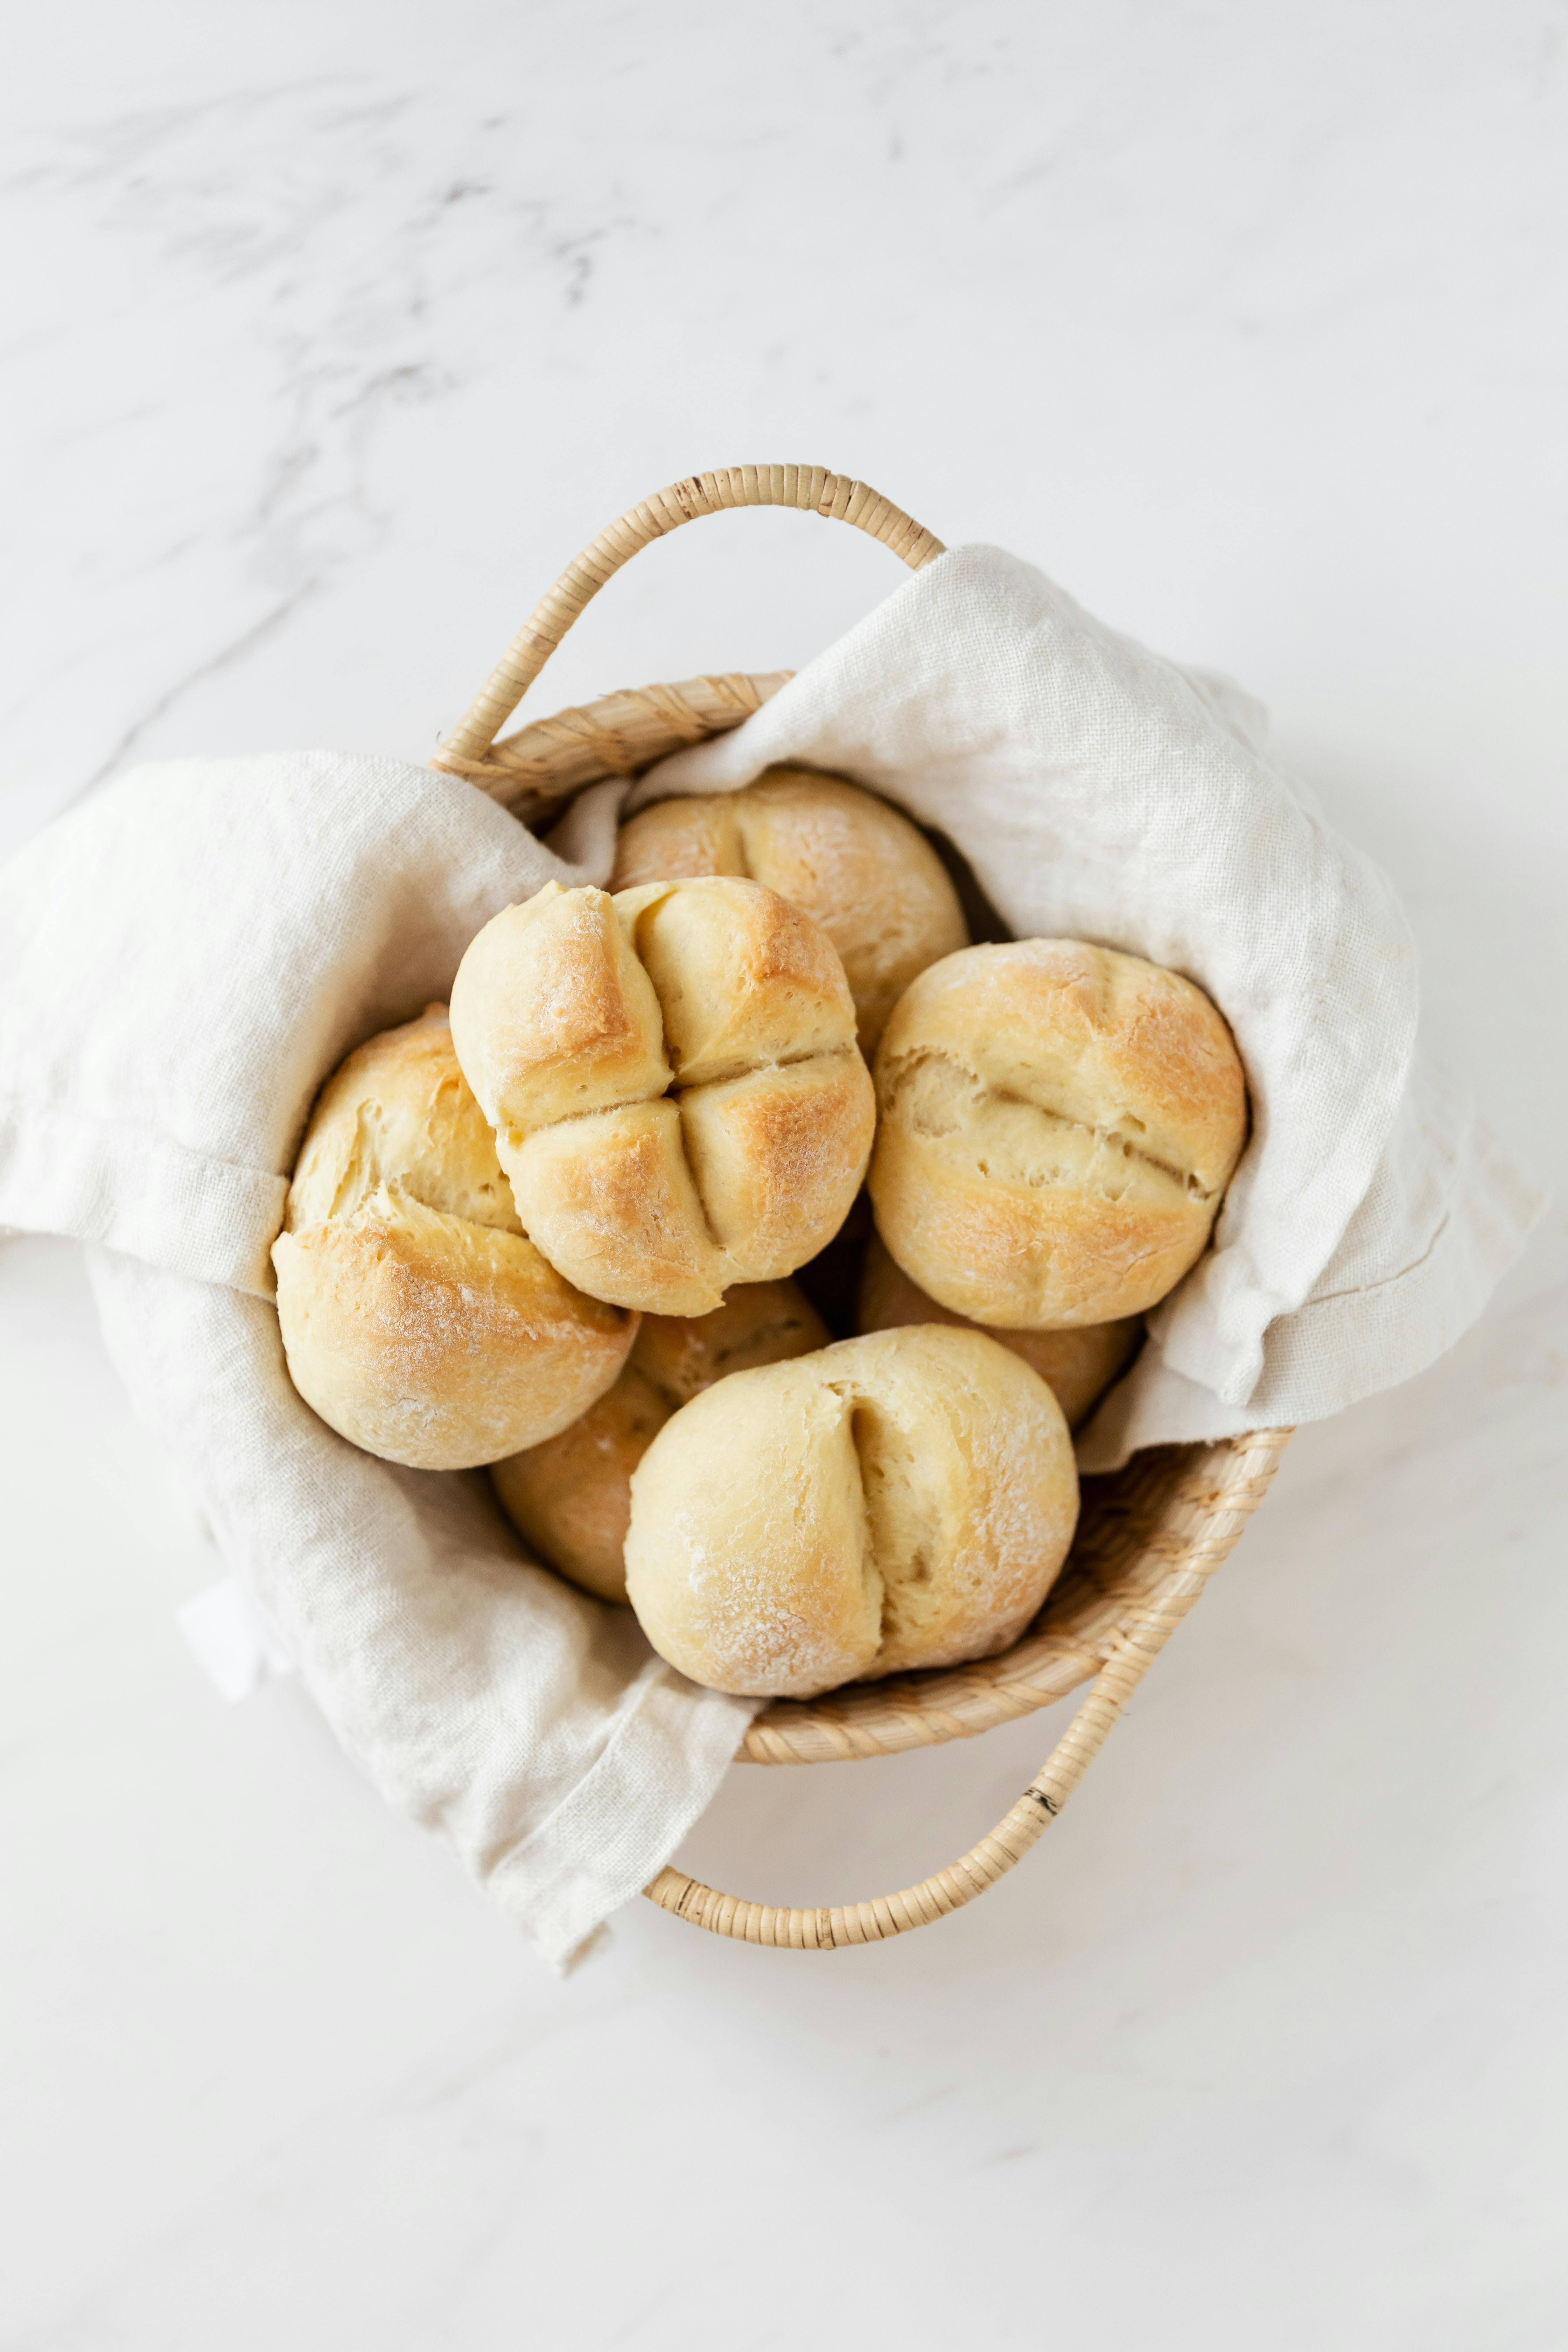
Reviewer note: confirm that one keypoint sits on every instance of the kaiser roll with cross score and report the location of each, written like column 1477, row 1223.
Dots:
column 892, row 1502
column 1057, row 1126
column 417, row 1318
column 673, row 1082
column 571, row 1499
column 856, row 866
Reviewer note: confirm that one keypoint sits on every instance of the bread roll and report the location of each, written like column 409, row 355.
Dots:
column 417, row 1319
column 1078, row 1366
column 897, row 1501
column 673, row 1082
column 571, row 1497
column 844, row 857
column 1058, row 1123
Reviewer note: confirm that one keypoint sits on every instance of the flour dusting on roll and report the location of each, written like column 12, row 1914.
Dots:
column 417, row 1318
column 901, row 1500
column 1057, row 1126
column 848, row 860
column 571, row 1497
column 673, row 1082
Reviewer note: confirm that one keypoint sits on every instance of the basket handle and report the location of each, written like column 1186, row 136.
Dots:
column 810, row 488
column 885, row 1916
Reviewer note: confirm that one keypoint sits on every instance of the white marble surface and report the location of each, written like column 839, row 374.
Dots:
column 330, row 334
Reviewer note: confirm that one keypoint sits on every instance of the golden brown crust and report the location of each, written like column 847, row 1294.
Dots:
column 891, row 1502
column 716, row 990
column 1058, row 1125
column 675, row 839
column 610, row 1198
column 552, row 1013
column 571, row 1497
column 767, row 1157
column 743, row 979
column 417, row 1319
column 1077, row 1366
column 400, row 1102
column 856, row 866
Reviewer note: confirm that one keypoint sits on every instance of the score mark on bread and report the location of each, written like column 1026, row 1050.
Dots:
column 893, row 1502
column 1057, row 1124
column 673, row 1082
column 571, row 1497
column 847, row 858
column 417, row 1318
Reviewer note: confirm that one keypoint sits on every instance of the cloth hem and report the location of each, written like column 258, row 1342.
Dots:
column 137, row 1193
column 620, row 1814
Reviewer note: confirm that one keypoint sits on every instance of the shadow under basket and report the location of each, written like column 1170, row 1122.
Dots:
column 1150, row 1537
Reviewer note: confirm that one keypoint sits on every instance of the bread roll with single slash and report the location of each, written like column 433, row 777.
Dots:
column 1077, row 1366
column 892, row 1502
column 848, row 859
column 418, row 1319
column 1057, row 1126
column 571, row 1499
column 673, row 1083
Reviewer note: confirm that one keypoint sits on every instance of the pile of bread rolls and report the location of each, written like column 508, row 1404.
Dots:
column 553, row 1231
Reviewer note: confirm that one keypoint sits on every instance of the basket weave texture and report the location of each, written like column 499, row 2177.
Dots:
column 1150, row 1537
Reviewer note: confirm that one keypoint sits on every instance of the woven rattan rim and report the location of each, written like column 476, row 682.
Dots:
column 1150, row 1537
column 810, row 489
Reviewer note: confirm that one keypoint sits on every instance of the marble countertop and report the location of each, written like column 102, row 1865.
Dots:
column 331, row 334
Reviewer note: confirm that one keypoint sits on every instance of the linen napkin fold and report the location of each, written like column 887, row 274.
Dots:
column 183, row 961
column 1101, row 792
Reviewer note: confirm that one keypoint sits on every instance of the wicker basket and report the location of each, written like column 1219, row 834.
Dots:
column 1150, row 1537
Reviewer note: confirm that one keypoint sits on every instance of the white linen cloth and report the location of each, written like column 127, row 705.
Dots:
column 183, row 961
column 1100, row 792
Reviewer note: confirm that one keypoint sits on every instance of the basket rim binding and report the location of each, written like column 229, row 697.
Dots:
column 1151, row 1535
